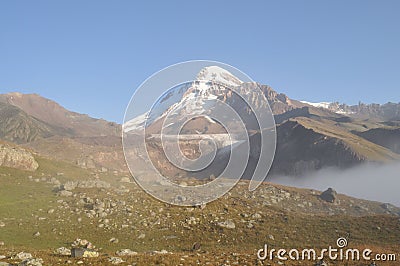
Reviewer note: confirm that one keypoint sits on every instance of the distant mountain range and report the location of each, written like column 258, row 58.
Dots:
column 386, row 112
column 310, row 136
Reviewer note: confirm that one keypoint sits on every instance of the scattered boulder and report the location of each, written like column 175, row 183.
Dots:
column 329, row 195
column 196, row 246
column 93, row 184
column 125, row 179
column 63, row 251
column 126, row 252
column 201, row 206
column 82, row 248
column 114, row 240
column 390, row 208
column 31, row 262
column 229, row 224
column 387, row 206
column 82, row 243
column 65, row 193
column 23, row 256
column 180, row 199
column 70, row 185
column 162, row 252
column 55, row 182
column 90, row 254
column 191, row 220
column 115, row 260
column 103, row 170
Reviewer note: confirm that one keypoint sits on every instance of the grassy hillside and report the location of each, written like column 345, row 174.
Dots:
column 281, row 216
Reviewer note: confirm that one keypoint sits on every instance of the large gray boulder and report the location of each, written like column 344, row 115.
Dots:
column 329, row 195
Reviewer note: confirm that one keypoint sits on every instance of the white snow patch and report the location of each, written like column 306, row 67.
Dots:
column 319, row 105
column 135, row 123
column 218, row 74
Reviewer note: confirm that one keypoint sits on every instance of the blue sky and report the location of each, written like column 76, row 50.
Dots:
column 91, row 55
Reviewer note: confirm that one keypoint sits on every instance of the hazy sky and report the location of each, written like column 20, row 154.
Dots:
column 91, row 55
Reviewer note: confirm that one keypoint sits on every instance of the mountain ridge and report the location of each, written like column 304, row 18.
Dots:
column 37, row 123
column 53, row 131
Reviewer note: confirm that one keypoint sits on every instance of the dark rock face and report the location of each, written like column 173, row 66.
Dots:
column 301, row 150
column 386, row 137
column 329, row 195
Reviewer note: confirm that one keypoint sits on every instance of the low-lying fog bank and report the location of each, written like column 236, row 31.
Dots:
column 369, row 181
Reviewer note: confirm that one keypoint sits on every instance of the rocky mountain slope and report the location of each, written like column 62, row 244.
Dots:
column 46, row 127
column 51, row 113
column 388, row 137
column 18, row 127
column 306, row 144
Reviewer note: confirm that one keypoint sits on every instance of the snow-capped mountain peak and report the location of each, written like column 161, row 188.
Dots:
column 218, row 74
column 196, row 96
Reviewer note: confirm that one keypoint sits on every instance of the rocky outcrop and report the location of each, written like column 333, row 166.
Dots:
column 16, row 157
column 329, row 195
column 279, row 102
